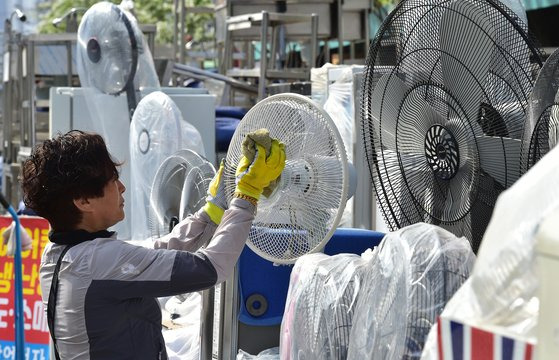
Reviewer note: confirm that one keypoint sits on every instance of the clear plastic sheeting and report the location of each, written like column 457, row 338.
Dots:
column 501, row 294
column 416, row 270
column 340, row 106
column 319, row 83
column 181, row 325
column 155, row 134
column 320, row 305
column 106, row 57
column 268, row 354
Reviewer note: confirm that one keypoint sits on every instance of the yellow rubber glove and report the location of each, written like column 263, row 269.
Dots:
column 216, row 201
column 252, row 178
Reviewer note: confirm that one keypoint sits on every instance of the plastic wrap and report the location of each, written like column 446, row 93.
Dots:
column 181, row 325
column 268, row 354
column 406, row 285
column 501, row 293
column 157, row 131
column 320, row 304
column 340, row 106
column 105, row 53
column 155, row 134
column 319, row 83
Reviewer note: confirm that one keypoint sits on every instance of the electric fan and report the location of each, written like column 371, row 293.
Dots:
column 113, row 56
column 320, row 306
column 406, row 284
column 541, row 130
column 155, row 134
column 303, row 211
column 179, row 189
column 442, row 126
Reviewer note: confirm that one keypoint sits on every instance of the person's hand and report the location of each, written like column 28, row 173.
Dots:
column 9, row 239
column 216, row 200
column 253, row 177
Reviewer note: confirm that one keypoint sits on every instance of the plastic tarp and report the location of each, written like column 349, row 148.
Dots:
column 181, row 330
column 268, row 354
column 501, row 294
column 416, row 270
column 320, row 306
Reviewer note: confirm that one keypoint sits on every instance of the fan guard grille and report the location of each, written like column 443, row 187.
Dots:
column 301, row 214
column 445, row 91
column 179, row 189
column 542, row 128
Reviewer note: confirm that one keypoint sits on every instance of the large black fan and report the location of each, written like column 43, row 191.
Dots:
column 446, row 87
column 542, row 128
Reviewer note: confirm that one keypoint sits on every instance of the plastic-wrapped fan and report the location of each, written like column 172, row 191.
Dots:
column 113, row 56
column 155, row 134
column 445, row 93
column 320, row 306
column 179, row 189
column 542, row 127
column 303, row 211
column 406, row 285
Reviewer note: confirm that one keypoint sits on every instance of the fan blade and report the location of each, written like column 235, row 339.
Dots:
column 465, row 36
column 500, row 158
column 416, row 117
column 386, row 101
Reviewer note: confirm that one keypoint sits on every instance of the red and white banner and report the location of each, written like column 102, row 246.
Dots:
column 35, row 318
column 457, row 341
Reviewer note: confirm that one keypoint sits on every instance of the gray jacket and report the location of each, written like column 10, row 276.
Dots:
column 106, row 306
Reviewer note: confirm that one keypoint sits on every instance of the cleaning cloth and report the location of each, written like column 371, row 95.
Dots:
column 262, row 138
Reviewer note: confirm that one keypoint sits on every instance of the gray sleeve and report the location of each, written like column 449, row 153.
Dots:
column 190, row 234
column 122, row 270
column 230, row 237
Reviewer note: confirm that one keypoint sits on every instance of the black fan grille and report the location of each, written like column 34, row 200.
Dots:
column 540, row 133
column 429, row 81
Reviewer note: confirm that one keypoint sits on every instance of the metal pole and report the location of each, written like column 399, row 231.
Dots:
column 314, row 40
column 182, row 31
column 340, row 32
column 263, row 55
column 206, row 325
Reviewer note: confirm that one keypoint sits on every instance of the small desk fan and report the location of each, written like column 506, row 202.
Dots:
column 303, row 211
column 179, row 189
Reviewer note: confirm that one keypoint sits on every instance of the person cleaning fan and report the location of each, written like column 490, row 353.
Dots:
column 100, row 292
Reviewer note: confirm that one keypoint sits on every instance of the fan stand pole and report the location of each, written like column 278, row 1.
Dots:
column 220, row 314
column 131, row 100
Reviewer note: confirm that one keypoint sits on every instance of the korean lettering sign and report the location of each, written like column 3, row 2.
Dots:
column 35, row 318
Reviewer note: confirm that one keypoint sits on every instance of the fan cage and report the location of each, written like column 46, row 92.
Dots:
column 301, row 214
column 184, row 172
column 540, row 134
column 408, row 49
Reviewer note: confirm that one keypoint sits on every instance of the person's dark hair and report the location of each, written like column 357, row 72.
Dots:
column 70, row 166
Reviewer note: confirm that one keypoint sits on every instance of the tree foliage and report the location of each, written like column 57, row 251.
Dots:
column 158, row 12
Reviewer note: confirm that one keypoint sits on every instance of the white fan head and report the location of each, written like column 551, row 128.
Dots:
column 179, row 189
column 155, row 134
column 301, row 214
column 112, row 52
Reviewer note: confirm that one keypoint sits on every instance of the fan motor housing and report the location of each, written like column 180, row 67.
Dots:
column 441, row 152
